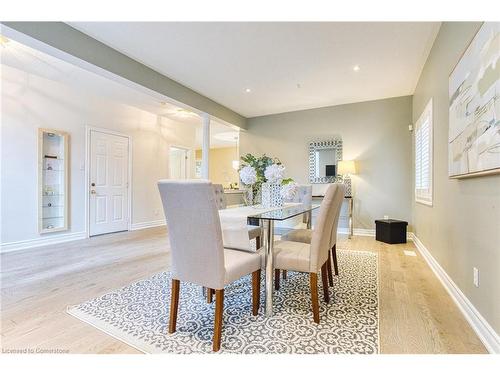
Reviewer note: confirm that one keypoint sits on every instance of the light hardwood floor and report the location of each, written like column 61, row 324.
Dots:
column 416, row 313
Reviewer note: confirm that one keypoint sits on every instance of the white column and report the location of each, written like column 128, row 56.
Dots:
column 205, row 145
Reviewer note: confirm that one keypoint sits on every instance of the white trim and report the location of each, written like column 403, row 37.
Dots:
column 148, row 224
column 485, row 332
column 357, row 231
column 88, row 130
column 42, row 241
column 367, row 232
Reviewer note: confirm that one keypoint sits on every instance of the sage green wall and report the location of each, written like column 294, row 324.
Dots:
column 374, row 133
column 462, row 228
column 67, row 39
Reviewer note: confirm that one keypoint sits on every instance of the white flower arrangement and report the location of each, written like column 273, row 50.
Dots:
column 248, row 175
column 289, row 190
column 265, row 182
column 274, row 173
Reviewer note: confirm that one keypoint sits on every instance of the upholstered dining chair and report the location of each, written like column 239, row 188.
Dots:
column 254, row 231
column 197, row 252
column 304, row 196
column 312, row 257
column 305, row 235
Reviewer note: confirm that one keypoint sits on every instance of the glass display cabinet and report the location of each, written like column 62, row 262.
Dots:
column 52, row 180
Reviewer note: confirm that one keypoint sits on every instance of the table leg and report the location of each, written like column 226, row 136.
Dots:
column 309, row 220
column 268, row 243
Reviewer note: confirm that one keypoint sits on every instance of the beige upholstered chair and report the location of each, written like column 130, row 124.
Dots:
column 304, row 196
column 197, row 253
column 254, row 231
column 305, row 236
column 310, row 258
column 220, row 197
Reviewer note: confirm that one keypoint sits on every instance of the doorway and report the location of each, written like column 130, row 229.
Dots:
column 179, row 162
column 109, row 199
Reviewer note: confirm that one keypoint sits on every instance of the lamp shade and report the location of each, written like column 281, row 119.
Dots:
column 346, row 167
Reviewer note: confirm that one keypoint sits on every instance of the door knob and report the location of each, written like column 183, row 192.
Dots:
column 92, row 184
column 92, row 191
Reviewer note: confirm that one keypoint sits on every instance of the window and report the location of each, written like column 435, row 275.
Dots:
column 423, row 156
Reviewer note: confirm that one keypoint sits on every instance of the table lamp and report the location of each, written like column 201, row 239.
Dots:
column 345, row 169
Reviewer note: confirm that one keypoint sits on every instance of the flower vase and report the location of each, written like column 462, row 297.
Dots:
column 271, row 195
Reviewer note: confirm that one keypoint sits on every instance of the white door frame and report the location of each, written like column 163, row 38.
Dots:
column 88, row 130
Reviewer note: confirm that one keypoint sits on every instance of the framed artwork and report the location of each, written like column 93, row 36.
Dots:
column 474, row 107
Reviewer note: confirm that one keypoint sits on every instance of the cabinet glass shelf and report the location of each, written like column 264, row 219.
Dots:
column 52, row 180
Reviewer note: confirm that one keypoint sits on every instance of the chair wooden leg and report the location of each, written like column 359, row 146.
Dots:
column 284, row 275
column 313, row 278
column 277, row 279
column 255, row 292
column 324, row 279
column 334, row 256
column 174, row 305
column 329, row 269
column 257, row 242
column 210, row 294
column 219, row 310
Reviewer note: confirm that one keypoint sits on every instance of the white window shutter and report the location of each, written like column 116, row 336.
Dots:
column 423, row 156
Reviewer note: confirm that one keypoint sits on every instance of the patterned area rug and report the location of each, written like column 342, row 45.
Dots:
column 138, row 315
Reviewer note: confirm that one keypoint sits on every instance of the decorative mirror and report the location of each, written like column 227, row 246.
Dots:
column 323, row 158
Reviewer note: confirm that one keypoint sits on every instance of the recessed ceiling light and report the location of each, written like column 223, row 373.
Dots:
column 248, row 90
column 356, row 68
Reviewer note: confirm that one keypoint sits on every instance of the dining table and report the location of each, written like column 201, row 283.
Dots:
column 266, row 217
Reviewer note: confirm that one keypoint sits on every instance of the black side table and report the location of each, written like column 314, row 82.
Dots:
column 390, row 231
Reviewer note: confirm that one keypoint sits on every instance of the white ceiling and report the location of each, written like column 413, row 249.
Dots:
column 30, row 60
column 221, row 60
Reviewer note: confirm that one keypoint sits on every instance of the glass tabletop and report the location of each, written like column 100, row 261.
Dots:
column 284, row 213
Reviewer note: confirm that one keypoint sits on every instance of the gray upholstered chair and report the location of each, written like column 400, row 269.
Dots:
column 197, row 252
column 254, row 231
column 305, row 236
column 312, row 257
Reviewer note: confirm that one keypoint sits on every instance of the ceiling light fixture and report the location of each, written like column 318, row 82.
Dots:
column 248, row 90
column 227, row 136
column 356, row 68
column 181, row 112
column 4, row 41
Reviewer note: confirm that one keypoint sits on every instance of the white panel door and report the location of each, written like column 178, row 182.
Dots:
column 178, row 163
column 108, row 206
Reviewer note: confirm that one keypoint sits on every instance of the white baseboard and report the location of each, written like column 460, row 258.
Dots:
column 358, row 231
column 147, row 224
column 42, row 241
column 485, row 332
column 367, row 232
